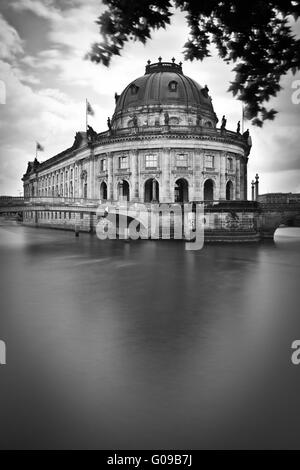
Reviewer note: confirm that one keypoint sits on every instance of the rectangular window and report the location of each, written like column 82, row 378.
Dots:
column 151, row 161
column 182, row 160
column 123, row 163
column 229, row 164
column 209, row 161
column 103, row 164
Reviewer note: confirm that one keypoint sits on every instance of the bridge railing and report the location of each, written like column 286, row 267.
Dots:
column 11, row 200
column 59, row 200
column 49, row 200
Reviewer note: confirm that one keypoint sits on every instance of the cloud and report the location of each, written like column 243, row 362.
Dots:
column 45, row 9
column 10, row 41
column 46, row 91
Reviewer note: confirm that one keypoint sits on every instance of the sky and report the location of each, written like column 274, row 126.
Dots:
column 45, row 79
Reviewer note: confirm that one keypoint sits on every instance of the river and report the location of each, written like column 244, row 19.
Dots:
column 130, row 345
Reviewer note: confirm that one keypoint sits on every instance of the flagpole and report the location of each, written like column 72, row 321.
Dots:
column 243, row 114
column 86, row 116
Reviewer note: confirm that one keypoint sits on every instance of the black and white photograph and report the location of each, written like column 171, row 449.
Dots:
column 149, row 227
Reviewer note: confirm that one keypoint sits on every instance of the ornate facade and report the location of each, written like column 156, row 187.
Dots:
column 162, row 145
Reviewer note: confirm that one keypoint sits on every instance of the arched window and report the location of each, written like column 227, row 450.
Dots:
column 229, row 191
column 103, row 191
column 123, row 190
column 151, row 192
column 181, row 190
column 208, row 194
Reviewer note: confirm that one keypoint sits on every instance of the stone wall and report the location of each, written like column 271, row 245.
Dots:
column 61, row 219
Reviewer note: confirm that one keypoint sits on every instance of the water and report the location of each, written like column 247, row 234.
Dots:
column 144, row 345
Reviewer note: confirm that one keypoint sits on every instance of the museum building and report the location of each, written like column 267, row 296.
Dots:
column 162, row 144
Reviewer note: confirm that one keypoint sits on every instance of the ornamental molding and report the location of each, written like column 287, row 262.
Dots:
column 150, row 171
column 122, row 174
column 183, row 171
column 83, row 175
column 102, row 176
column 102, row 180
column 183, row 137
column 147, row 176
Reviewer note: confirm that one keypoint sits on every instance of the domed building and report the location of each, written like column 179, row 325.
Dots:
column 162, row 145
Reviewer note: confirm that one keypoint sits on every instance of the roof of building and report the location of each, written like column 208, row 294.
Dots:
column 164, row 84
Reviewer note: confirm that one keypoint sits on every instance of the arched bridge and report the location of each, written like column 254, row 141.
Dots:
column 274, row 215
column 65, row 213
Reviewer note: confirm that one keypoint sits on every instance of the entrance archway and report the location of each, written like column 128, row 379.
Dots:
column 123, row 190
column 103, row 191
column 151, row 193
column 229, row 191
column 208, row 190
column 181, row 190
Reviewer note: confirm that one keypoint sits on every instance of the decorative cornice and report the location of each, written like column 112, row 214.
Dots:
column 149, row 137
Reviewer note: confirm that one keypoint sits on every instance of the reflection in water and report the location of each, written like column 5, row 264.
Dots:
column 145, row 345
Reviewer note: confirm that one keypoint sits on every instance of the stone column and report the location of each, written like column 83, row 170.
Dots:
column 253, row 191
column 135, row 176
column 110, row 179
column 154, row 190
column 238, row 180
column 246, row 180
column 242, row 179
column 256, row 186
column 223, row 158
column 120, row 189
column 80, row 169
column 91, row 176
column 198, row 177
column 165, row 166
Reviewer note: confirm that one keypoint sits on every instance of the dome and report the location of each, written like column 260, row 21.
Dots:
column 165, row 86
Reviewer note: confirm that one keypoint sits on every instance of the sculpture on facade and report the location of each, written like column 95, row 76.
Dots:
column 246, row 134
column 91, row 134
column 77, row 140
column 135, row 120
column 205, row 91
column 224, row 122
column 167, row 118
column 83, row 175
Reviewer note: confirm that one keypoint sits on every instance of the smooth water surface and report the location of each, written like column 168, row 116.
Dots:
column 117, row 345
